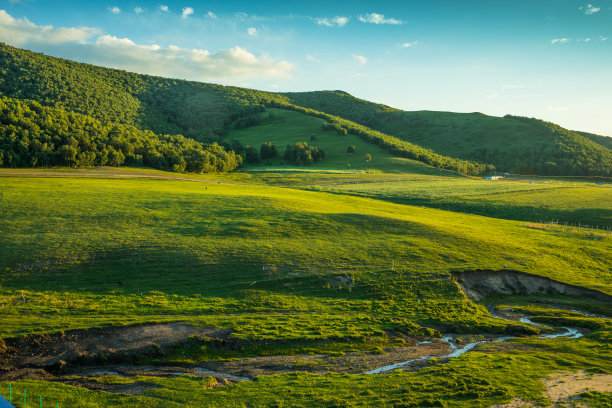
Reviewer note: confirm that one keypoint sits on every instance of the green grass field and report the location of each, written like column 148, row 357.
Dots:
column 88, row 248
column 575, row 203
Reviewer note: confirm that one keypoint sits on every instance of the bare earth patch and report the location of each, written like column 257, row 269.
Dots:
column 563, row 388
column 56, row 351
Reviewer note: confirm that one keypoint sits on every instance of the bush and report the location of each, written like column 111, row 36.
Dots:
column 351, row 149
column 251, row 154
column 303, row 155
column 268, row 151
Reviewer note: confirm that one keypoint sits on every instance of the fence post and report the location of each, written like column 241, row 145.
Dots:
column 10, row 393
column 24, row 398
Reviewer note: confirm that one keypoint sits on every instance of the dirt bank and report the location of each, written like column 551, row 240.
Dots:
column 58, row 351
column 480, row 283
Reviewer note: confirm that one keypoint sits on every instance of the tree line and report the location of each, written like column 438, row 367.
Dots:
column 32, row 135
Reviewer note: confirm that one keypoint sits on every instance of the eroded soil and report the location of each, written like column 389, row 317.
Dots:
column 564, row 389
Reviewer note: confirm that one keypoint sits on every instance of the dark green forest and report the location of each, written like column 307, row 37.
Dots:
column 32, row 135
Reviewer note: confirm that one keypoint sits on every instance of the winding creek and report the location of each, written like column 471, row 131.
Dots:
column 454, row 351
column 568, row 332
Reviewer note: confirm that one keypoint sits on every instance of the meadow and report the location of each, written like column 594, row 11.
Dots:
column 90, row 248
column 566, row 202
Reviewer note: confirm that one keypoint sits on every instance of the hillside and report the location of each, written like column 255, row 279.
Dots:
column 197, row 110
column 513, row 144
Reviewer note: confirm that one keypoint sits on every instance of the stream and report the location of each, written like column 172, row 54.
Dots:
column 454, row 351
column 568, row 332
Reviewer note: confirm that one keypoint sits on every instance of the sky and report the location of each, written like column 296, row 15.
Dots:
column 549, row 59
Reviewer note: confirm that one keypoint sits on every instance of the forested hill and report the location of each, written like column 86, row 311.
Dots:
column 204, row 112
column 512, row 144
column 163, row 106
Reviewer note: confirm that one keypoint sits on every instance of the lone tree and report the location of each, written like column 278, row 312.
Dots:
column 313, row 137
column 367, row 157
column 268, row 151
column 351, row 149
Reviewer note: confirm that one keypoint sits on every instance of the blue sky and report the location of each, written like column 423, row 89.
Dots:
column 546, row 59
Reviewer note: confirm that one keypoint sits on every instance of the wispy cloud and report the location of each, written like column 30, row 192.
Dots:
column 409, row 44
column 560, row 41
column 376, row 18
column 602, row 38
column 138, row 10
column 310, row 58
column 233, row 65
column 360, row 59
column 212, row 15
column 115, row 10
column 252, row 31
column 163, row 7
column 591, row 9
column 337, row 21
column 187, row 11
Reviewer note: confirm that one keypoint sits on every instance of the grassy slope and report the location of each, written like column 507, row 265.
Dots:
column 509, row 143
column 573, row 203
column 287, row 127
column 249, row 249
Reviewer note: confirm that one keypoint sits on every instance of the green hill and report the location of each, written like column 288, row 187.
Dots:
column 206, row 112
column 513, row 144
column 165, row 106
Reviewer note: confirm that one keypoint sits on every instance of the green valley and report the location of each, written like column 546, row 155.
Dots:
column 159, row 248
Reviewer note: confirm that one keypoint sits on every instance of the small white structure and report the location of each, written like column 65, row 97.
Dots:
column 493, row 177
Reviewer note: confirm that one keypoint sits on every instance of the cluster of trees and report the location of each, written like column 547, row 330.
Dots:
column 32, row 135
column 302, row 154
column 266, row 151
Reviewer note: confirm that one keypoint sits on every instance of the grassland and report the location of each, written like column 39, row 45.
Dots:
column 572, row 203
column 86, row 248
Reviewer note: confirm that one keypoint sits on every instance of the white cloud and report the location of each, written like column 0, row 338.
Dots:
column 557, row 108
column 21, row 31
column 559, row 41
column 187, row 11
column 163, row 8
column 492, row 96
column 212, row 15
column 602, row 38
column 138, row 10
column 115, row 10
column 409, row 44
column 310, row 58
column 376, row 18
column 233, row 65
column 252, row 31
column 591, row 9
column 360, row 59
column 337, row 21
